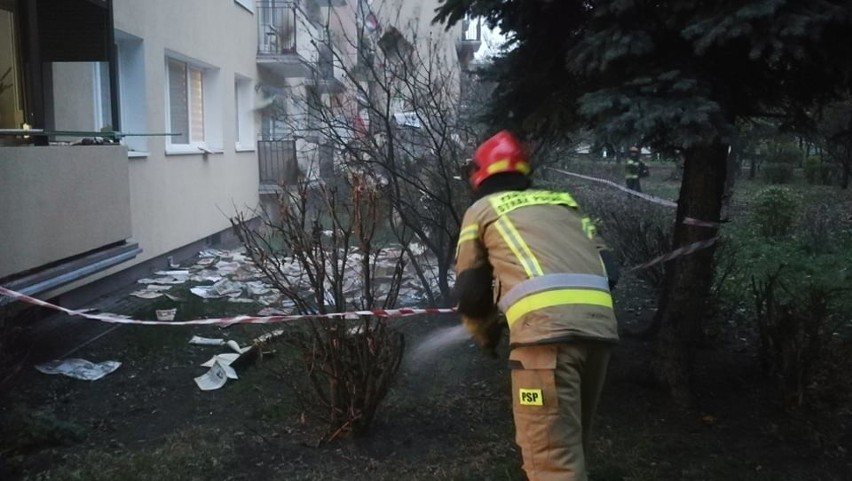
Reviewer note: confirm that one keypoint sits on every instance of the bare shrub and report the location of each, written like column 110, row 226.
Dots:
column 406, row 119
column 819, row 227
column 796, row 329
column 634, row 229
column 320, row 252
column 725, row 302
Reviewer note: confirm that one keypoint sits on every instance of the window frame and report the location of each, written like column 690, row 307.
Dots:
column 102, row 98
column 211, row 108
column 245, row 128
column 133, row 108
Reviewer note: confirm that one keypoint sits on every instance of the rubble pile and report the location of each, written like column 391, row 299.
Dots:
column 232, row 275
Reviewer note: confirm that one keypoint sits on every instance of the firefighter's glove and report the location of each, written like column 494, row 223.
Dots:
column 473, row 291
column 486, row 332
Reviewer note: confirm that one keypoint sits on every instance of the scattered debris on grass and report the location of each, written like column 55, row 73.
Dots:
column 206, row 341
column 79, row 368
column 231, row 275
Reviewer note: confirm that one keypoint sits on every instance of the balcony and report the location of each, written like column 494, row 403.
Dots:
column 470, row 40
column 66, row 213
column 277, row 163
column 329, row 75
column 285, row 40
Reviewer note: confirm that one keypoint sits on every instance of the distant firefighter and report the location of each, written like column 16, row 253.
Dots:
column 635, row 169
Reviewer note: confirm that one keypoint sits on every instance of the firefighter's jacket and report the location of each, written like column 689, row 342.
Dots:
column 550, row 281
column 633, row 169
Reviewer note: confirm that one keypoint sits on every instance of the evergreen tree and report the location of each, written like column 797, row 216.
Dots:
column 675, row 74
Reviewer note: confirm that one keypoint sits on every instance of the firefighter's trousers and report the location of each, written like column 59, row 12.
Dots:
column 634, row 184
column 555, row 391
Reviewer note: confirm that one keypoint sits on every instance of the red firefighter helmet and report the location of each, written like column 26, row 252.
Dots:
column 500, row 154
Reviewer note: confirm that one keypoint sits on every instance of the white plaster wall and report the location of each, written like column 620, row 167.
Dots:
column 179, row 199
column 413, row 19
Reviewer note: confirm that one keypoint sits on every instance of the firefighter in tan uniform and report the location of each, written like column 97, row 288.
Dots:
column 535, row 256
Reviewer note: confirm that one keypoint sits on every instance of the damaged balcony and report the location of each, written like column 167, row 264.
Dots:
column 329, row 75
column 470, row 41
column 286, row 40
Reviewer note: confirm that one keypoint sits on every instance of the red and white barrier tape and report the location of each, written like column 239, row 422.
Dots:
column 227, row 321
column 649, row 198
column 680, row 252
column 384, row 313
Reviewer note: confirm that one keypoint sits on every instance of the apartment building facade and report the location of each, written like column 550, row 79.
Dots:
column 312, row 57
column 212, row 104
column 174, row 82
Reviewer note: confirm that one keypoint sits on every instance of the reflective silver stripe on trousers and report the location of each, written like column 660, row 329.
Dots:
column 549, row 282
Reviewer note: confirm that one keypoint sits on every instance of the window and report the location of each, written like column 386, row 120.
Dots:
column 186, row 103
column 11, row 88
column 314, row 109
column 244, row 113
column 131, row 90
column 192, row 92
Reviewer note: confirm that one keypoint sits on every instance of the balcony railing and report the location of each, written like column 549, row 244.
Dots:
column 276, row 29
column 277, row 162
column 44, row 222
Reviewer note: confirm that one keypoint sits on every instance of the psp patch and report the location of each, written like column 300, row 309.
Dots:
column 531, row 397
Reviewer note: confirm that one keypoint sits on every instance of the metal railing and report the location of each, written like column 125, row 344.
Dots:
column 276, row 28
column 277, row 162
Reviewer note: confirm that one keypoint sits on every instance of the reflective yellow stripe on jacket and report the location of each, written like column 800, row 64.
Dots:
column 554, row 290
column 556, row 298
column 632, row 171
column 589, row 228
column 509, row 201
column 516, row 243
column 467, row 234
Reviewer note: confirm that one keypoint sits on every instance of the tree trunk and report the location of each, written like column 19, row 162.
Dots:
column 688, row 280
column 734, row 170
